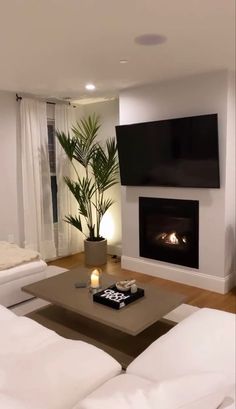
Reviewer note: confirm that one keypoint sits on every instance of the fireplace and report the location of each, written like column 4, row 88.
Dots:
column 168, row 230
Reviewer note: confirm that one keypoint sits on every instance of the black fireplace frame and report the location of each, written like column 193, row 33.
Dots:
column 179, row 208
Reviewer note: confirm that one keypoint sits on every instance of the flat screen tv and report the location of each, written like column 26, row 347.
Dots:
column 180, row 152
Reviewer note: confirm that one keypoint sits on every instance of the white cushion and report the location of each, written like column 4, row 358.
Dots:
column 199, row 391
column 9, row 402
column 22, row 270
column 6, row 314
column 203, row 342
column 230, row 398
column 47, row 371
column 114, row 391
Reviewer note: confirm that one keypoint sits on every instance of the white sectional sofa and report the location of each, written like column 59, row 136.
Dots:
column 41, row 370
column 191, row 367
column 14, row 278
column 18, row 267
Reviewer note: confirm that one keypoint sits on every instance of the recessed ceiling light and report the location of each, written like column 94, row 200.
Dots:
column 90, row 87
column 123, row 61
column 150, row 39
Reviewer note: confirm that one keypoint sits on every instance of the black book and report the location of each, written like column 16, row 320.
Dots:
column 115, row 298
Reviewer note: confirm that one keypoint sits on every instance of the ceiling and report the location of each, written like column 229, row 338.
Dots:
column 54, row 47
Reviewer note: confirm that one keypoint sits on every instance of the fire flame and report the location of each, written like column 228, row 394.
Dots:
column 172, row 238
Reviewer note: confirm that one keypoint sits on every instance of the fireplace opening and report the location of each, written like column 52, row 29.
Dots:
column 168, row 230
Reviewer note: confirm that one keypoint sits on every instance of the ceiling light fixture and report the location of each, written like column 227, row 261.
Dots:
column 90, row 87
column 123, row 61
column 150, row 39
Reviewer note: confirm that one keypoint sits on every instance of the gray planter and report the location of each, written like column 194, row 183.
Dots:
column 95, row 252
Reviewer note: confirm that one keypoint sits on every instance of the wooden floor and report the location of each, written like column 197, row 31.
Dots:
column 196, row 296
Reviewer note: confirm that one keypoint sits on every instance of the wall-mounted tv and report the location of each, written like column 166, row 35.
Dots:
column 180, row 152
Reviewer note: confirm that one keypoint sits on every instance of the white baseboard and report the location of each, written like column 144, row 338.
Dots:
column 189, row 277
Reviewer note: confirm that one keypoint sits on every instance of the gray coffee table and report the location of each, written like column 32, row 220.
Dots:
column 123, row 333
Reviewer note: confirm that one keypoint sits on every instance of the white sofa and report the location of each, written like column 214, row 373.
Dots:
column 18, row 267
column 41, row 370
column 191, row 367
column 197, row 358
column 14, row 278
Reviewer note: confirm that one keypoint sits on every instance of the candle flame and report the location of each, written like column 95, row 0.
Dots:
column 96, row 272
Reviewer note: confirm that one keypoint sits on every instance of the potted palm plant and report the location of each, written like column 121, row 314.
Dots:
column 98, row 172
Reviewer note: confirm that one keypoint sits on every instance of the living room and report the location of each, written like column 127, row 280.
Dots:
column 169, row 61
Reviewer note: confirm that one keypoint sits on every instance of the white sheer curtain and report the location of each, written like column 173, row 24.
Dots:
column 69, row 238
column 37, row 199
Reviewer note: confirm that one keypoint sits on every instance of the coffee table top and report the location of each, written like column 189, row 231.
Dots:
column 132, row 319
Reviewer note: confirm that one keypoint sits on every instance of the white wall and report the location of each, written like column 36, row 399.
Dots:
column 230, row 192
column 111, row 224
column 10, row 185
column 196, row 95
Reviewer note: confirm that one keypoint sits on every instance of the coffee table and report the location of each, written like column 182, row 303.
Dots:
column 123, row 333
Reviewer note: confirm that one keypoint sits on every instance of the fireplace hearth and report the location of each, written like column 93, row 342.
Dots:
column 168, row 230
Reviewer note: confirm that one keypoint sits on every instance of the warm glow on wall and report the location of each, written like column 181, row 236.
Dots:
column 107, row 228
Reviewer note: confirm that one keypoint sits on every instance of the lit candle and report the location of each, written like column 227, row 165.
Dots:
column 95, row 279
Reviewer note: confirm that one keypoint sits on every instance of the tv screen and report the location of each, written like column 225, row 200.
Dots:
column 180, row 152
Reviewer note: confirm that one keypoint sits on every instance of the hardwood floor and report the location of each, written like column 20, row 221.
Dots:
column 196, row 296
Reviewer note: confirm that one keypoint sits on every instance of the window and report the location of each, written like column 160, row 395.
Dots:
column 52, row 162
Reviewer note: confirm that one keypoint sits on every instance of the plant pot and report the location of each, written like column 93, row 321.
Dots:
column 95, row 252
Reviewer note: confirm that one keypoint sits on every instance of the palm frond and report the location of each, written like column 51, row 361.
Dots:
column 75, row 221
column 67, row 142
column 103, row 206
column 105, row 166
column 85, row 133
column 83, row 191
column 83, row 154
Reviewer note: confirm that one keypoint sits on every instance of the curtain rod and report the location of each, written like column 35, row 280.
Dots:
column 18, row 98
